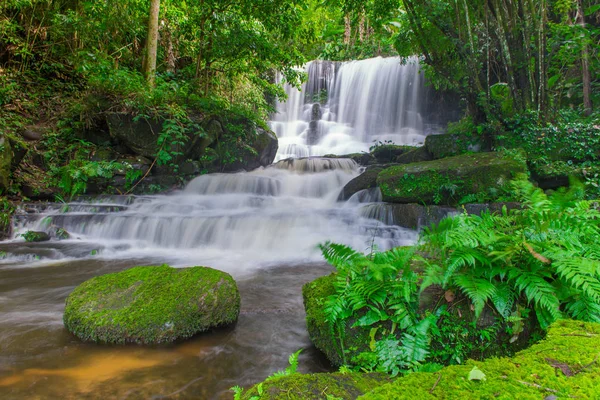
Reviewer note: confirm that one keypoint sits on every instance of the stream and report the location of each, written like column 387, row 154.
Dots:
column 263, row 227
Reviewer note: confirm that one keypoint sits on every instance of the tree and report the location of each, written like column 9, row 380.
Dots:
column 585, row 64
column 152, row 43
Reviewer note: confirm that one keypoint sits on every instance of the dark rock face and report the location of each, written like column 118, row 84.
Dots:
column 415, row 155
column 366, row 180
column 388, row 153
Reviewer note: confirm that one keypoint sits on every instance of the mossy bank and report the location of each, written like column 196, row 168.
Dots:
column 151, row 305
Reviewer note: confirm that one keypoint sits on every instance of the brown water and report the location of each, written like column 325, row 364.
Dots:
column 39, row 359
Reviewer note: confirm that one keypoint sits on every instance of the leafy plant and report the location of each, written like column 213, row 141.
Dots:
column 544, row 255
column 380, row 291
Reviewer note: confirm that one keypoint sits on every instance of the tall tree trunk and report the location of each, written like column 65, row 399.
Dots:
column 585, row 64
column 152, row 43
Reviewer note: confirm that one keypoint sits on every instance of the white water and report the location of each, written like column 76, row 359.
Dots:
column 273, row 215
column 231, row 221
column 368, row 101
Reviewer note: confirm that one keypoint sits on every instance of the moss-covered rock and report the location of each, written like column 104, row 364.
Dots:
column 387, row 153
column 448, row 180
column 35, row 236
column 317, row 386
column 148, row 305
column 415, row 155
column 564, row 365
column 556, row 174
column 366, row 180
column 450, row 145
column 6, row 157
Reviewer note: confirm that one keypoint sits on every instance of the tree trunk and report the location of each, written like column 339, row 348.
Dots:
column 152, row 43
column 585, row 64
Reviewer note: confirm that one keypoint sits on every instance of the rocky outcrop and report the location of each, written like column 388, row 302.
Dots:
column 448, row 180
column 418, row 154
column 450, row 145
column 6, row 158
column 366, row 180
column 151, row 305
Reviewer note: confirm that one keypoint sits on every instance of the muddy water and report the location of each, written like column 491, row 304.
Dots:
column 39, row 359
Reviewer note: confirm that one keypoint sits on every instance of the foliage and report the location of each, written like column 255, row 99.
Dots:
column 379, row 291
column 544, row 256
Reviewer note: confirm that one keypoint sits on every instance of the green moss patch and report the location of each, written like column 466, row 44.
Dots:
column 450, row 145
column 565, row 365
column 317, row 386
column 150, row 305
column 450, row 180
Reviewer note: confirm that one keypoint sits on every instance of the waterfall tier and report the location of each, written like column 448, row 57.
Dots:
column 347, row 107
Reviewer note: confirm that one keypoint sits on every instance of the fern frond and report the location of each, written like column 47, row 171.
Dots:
column 478, row 290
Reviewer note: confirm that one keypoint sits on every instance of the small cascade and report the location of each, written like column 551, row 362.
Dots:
column 280, row 213
column 345, row 108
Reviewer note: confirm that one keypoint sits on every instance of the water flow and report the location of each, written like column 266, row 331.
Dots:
column 345, row 108
column 276, row 214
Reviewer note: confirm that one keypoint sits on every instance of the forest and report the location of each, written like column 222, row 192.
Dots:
column 401, row 194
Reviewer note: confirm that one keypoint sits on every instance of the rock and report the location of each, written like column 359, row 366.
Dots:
column 259, row 151
column 415, row 155
column 363, row 159
column 387, row 153
column 527, row 375
column 151, row 305
column 6, row 157
column 315, row 113
column 450, row 145
column 139, row 135
column 448, row 180
column 34, row 236
column 31, row 134
column 336, row 385
column 556, row 174
column 59, row 233
column 366, row 180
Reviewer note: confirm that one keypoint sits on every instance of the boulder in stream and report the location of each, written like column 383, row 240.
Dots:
column 35, row 236
column 151, row 305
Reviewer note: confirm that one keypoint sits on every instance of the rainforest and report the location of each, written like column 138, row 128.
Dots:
column 299, row 199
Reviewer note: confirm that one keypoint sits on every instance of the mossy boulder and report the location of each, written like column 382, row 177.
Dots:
column 449, row 180
column 150, row 305
column 418, row 154
column 387, row 153
column 35, row 236
column 564, row 365
column 317, row 386
column 366, row 180
column 6, row 157
column 450, row 145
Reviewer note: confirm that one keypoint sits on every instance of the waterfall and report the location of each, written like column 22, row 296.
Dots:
column 347, row 107
column 275, row 214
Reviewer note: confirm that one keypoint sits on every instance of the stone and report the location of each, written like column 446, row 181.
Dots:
column 6, row 158
column 366, row 180
column 415, row 155
column 448, row 180
column 450, row 145
column 387, row 153
column 35, row 236
column 151, row 305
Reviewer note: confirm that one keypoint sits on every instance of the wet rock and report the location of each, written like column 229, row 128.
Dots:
column 35, row 236
column 31, row 134
column 151, row 305
column 418, row 154
column 450, row 145
column 448, row 180
column 366, row 180
column 59, row 233
column 388, row 153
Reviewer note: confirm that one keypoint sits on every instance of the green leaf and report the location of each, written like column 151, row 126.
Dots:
column 476, row 374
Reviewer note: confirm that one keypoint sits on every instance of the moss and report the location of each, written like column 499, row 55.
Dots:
column 387, row 153
column 6, row 157
column 317, row 386
column 450, row 145
column 34, row 236
column 415, row 155
column 449, row 180
column 149, row 305
column 565, row 365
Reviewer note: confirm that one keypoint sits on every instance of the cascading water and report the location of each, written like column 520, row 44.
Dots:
column 345, row 108
column 263, row 227
column 276, row 214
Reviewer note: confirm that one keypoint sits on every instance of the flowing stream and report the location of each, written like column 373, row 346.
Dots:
column 263, row 227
